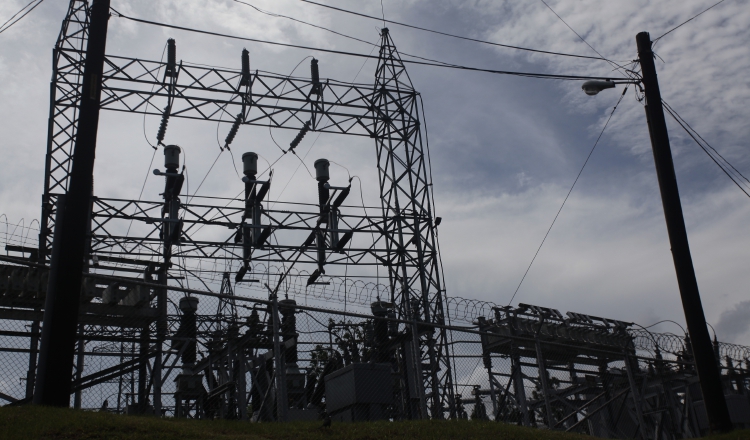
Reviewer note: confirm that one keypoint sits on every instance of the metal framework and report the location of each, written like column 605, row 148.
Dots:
column 163, row 347
column 387, row 111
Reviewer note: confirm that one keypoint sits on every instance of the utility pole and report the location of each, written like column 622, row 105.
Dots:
column 68, row 251
column 705, row 361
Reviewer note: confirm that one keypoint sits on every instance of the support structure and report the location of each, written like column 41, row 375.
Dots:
column 405, row 193
column 69, row 249
column 220, row 351
column 388, row 112
column 705, row 362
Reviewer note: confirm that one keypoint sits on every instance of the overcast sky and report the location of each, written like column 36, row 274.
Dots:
column 504, row 150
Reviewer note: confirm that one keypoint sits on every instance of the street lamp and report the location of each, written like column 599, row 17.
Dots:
column 595, row 86
column 706, row 364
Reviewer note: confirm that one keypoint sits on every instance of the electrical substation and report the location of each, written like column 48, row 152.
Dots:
column 265, row 336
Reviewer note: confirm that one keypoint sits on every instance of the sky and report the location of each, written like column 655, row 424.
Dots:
column 504, row 150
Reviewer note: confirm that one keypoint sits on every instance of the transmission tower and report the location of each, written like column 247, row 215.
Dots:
column 412, row 255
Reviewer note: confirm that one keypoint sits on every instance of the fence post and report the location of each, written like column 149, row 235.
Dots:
column 543, row 379
column 518, row 386
column 281, row 396
column 636, row 396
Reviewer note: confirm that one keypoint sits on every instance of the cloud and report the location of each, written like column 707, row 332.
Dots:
column 734, row 322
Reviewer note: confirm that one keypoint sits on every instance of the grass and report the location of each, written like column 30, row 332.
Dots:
column 33, row 422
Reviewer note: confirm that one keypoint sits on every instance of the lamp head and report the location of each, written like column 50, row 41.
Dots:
column 593, row 87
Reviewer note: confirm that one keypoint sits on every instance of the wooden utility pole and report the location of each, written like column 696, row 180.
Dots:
column 706, row 363
column 54, row 378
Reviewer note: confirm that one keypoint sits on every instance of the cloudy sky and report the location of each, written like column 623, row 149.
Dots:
column 504, row 150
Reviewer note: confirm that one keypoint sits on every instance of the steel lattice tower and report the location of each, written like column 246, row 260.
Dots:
column 413, row 260
column 68, row 57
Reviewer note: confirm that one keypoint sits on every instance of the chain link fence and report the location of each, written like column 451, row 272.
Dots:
column 293, row 357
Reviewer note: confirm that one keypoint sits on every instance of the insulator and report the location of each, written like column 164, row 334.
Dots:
column 163, row 126
column 233, row 131
column 172, row 157
column 321, row 171
column 250, row 164
column 300, row 135
column 245, row 78
column 315, row 74
column 171, row 58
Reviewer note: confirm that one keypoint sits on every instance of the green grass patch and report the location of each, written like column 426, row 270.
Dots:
column 33, row 422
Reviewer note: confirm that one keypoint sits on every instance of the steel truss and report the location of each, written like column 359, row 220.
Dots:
column 576, row 373
column 598, row 376
column 387, row 111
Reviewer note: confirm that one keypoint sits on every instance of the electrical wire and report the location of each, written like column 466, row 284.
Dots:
column 145, row 179
column 693, row 134
column 277, row 103
column 443, row 294
column 451, row 35
column 14, row 15
column 612, row 63
column 361, row 55
column 318, row 136
column 272, row 14
column 568, row 195
column 5, row 26
column 686, row 22
column 204, row 177
column 709, row 145
column 234, row 164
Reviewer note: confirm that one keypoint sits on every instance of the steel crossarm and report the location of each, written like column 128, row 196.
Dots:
column 214, row 94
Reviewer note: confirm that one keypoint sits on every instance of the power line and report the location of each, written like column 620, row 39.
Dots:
column 5, row 26
column 360, row 55
column 450, row 35
column 612, row 63
column 704, row 141
column 694, row 134
column 687, row 21
column 302, row 160
column 273, row 14
column 573, row 30
column 568, row 195
column 204, row 177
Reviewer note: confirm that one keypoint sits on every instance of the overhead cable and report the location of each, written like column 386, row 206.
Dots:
column 273, row 14
column 694, row 134
column 687, row 21
column 360, row 55
column 568, row 195
column 5, row 26
column 612, row 63
column 451, row 35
